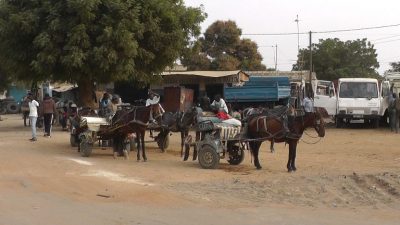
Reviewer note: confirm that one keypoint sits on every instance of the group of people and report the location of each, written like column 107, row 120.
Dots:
column 47, row 109
column 394, row 112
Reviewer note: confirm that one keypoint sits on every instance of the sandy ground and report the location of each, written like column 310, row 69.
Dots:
column 352, row 176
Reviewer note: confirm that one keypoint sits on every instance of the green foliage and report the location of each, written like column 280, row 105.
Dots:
column 333, row 59
column 395, row 67
column 222, row 49
column 94, row 40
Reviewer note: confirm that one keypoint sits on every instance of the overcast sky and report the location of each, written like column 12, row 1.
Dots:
column 278, row 16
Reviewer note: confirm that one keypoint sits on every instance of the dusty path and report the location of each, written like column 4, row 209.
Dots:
column 350, row 177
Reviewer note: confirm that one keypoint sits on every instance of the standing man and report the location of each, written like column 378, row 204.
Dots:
column 308, row 104
column 49, row 108
column 33, row 115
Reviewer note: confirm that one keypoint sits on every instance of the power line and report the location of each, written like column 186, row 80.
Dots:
column 388, row 37
column 354, row 29
column 381, row 42
column 321, row 32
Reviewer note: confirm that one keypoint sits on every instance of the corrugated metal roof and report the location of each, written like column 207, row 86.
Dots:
column 203, row 73
column 293, row 75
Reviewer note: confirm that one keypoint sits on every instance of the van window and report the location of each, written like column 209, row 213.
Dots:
column 325, row 88
column 358, row 90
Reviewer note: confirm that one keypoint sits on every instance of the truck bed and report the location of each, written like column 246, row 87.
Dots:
column 259, row 89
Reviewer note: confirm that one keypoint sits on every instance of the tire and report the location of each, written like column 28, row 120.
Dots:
column 339, row 122
column 375, row 123
column 86, row 148
column 12, row 108
column 208, row 157
column 73, row 141
column 236, row 154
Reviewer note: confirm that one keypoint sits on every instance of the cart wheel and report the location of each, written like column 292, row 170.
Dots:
column 163, row 141
column 73, row 141
column 86, row 148
column 236, row 153
column 208, row 157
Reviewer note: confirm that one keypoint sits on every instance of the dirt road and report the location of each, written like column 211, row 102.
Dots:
column 352, row 176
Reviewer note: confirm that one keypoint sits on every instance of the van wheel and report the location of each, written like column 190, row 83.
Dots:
column 375, row 123
column 339, row 122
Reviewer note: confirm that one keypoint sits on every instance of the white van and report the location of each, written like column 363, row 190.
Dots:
column 356, row 99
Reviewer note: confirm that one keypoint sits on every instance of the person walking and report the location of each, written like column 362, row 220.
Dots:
column 48, row 109
column 33, row 115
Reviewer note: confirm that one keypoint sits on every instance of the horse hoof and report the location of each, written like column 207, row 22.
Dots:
column 115, row 155
column 259, row 167
column 144, row 160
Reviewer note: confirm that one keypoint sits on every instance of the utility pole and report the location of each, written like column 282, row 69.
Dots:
column 311, row 67
column 276, row 57
column 298, row 33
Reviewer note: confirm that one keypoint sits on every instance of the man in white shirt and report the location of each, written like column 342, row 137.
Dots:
column 33, row 115
column 219, row 104
column 308, row 104
column 153, row 99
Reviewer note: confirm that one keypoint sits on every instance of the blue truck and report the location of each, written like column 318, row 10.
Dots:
column 266, row 91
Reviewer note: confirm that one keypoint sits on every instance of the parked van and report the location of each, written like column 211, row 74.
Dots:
column 357, row 99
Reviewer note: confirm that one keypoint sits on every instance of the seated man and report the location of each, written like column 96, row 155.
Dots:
column 219, row 105
column 153, row 99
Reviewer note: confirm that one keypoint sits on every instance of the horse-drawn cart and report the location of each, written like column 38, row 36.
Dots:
column 91, row 128
column 217, row 141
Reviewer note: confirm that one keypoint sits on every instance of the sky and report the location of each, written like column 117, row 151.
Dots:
column 278, row 16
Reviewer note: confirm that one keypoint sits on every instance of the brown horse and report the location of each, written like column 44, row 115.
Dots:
column 134, row 120
column 262, row 128
column 179, row 122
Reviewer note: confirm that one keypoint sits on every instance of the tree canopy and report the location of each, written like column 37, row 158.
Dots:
column 222, row 49
column 395, row 67
column 333, row 59
column 92, row 40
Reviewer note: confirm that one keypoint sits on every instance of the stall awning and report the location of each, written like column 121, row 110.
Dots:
column 62, row 87
column 235, row 76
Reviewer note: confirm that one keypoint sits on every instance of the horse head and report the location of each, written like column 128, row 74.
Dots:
column 318, row 121
column 187, row 118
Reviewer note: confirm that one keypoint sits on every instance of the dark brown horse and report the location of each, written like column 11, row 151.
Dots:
column 134, row 120
column 179, row 122
column 264, row 127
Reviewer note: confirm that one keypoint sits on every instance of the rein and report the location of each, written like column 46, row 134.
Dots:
column 311, row 143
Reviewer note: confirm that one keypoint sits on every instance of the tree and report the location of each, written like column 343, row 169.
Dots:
column 93, row 41
column 222, row 49
column 333, row 59
column 395, row 67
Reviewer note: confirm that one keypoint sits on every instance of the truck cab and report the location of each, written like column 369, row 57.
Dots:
column 356, row 99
